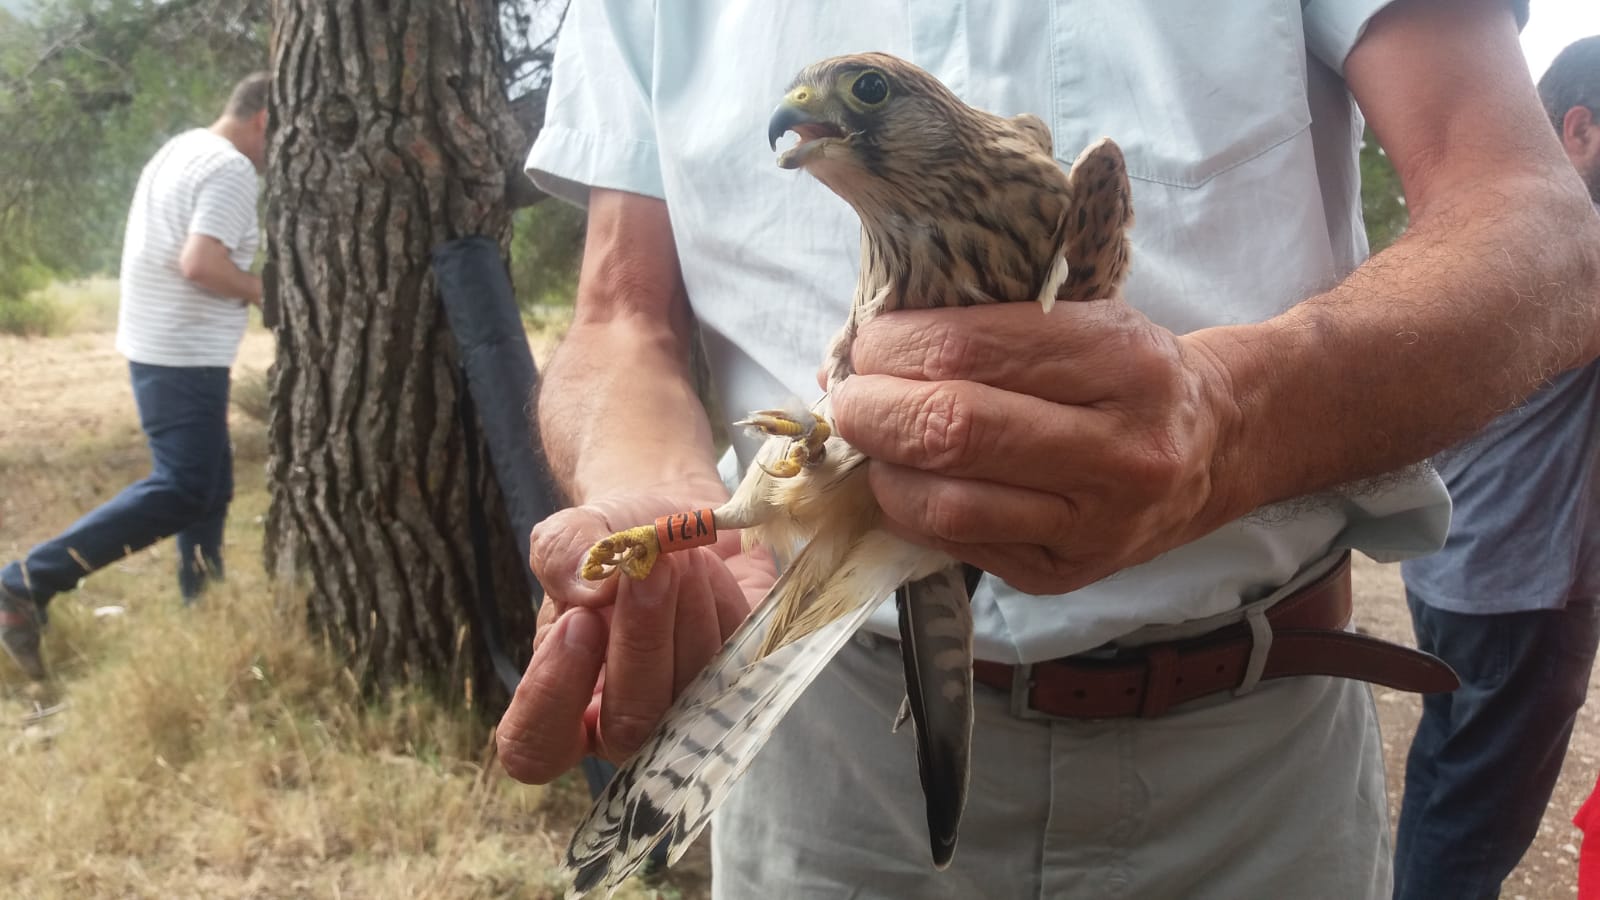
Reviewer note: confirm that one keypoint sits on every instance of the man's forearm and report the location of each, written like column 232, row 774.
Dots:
column 1424, row 344
column 618, row 412
column 1494, row 287
column 206, row 262
column 233, row 283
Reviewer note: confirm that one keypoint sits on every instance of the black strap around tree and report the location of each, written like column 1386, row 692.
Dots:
column 500, row 378
column 487, row 617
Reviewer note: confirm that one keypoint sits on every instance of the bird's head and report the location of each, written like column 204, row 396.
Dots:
column 866, row 118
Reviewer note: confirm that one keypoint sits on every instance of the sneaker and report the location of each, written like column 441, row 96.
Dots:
column 19, row 633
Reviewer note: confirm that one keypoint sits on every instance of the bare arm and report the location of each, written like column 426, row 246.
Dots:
column 1056, row 452
column 205, row 261
column 617, row 407
column 628, row 440
column 1494, row 287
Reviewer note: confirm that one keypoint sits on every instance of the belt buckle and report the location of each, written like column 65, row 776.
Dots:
column 1021, row 688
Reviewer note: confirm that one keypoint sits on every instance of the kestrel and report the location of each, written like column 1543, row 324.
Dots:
column 958, row 207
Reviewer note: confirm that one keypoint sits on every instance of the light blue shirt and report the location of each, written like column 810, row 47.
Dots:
column 1240, row 136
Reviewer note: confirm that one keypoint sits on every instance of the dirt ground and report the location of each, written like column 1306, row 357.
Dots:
column 78, row 384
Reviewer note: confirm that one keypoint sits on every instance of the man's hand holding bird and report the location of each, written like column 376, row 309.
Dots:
column 610, row 656
column 1049, row 451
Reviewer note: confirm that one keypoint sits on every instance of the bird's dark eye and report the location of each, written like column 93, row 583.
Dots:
column 870, row 88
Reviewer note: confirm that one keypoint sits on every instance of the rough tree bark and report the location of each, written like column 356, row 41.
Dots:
column 389, row 135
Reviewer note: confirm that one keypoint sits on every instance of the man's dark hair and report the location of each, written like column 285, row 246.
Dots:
column 249, row 96
column 1572, row 80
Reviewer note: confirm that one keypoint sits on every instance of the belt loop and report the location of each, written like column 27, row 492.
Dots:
column 1260, row 646
column 1160, row 679
column 1022, row 693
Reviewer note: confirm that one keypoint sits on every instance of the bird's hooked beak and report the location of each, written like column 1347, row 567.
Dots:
column 804, row 111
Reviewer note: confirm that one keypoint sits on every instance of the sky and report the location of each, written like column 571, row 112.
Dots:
column 1553, row 24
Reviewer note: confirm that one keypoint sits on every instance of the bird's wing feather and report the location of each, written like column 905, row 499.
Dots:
column 936, row 646
column 1096, row 223
column 710, row 736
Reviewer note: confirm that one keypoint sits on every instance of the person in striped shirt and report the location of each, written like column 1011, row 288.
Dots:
column 186, row 288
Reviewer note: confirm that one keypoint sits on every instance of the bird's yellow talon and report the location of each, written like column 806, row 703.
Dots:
column 788, row 467
column 777, row 423
column 632, row 552
column 809, row 435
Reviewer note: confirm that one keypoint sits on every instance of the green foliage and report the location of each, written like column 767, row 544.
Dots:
column 1383, row 203
column 21, row 277
column 24, row 309
column 88, row 90
column 60, row 307
column 546, row 248
column 34, row 315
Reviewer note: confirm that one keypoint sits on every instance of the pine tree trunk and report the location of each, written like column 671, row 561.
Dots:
column 388, row 137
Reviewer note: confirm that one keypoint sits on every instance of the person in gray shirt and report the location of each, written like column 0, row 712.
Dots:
column 1510, row 602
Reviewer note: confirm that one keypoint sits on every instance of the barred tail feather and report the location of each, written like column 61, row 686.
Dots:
column 711, row 735
column 936, row 647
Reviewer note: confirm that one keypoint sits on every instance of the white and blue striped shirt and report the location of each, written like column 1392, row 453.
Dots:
column 197, row 183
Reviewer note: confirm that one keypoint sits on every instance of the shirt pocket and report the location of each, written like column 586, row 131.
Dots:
column 1189, row 90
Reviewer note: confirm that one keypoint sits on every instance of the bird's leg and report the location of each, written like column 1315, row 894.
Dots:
column 808, row 435
column 634, row 551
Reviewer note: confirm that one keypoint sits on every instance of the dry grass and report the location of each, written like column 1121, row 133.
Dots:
column 90, row 303
column 218, row 752
column 251, row 393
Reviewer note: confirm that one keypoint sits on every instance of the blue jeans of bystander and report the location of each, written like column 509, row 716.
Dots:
column 1485, row 757
column 184, row 413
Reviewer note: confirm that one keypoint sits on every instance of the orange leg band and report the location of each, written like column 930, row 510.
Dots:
column 680, row 531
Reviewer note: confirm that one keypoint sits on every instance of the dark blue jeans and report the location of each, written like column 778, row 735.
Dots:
column 1486, row 756
column 184, row 413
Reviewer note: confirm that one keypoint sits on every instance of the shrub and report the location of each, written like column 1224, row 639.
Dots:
column 23, row 309
column 546, row 248
column 35, row 315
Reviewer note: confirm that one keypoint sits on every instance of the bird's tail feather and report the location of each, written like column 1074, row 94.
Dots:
column 936, row 647
column 712, row 733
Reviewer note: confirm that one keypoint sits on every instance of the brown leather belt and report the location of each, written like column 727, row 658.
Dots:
column 1308, row 638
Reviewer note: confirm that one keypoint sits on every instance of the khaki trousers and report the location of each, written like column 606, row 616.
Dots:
column 1277, row 795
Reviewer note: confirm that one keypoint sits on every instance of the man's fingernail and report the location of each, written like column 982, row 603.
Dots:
column 584, row 632
column 652, row 591
column 579, row 586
